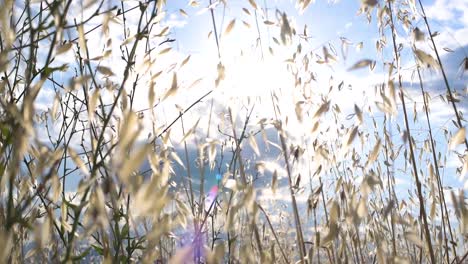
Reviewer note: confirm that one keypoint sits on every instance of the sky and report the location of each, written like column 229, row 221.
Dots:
column 328, row 22
column 253, row 72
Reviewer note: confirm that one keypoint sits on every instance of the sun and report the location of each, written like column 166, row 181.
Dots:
column 253, row 76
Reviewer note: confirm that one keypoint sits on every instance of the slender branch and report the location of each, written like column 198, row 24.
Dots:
column 410, row 142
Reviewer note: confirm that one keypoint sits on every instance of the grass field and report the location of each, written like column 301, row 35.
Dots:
column 233, row 131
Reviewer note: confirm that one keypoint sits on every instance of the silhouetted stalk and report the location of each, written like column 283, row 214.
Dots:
column 181, row 114
column 317, row 237
column 215, row 31
column 201, row 198
column 243, row 177
column 443, row 205
column 391, row 183
column 331, row 256
column 461, row 260
column 71, row 235
column 274, row 233
column 410, row 143
column 300, row 239
column 189, row 174
column 233, row 169
column 297, row 221
column 391, row 195
column 258, row 32
column 410, row 139
column 449, row 91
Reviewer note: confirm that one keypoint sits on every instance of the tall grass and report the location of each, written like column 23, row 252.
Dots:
column 91, row 173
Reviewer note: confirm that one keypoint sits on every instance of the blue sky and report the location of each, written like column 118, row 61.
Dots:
column 250, row 76
column 326, row 23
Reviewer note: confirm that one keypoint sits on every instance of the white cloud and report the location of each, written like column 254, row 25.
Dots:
column 448, row 10
column 175, row 21
column 453, row 14
column 440, row 10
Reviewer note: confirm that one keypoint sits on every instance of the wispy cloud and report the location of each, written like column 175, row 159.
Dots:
column 454, row 11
